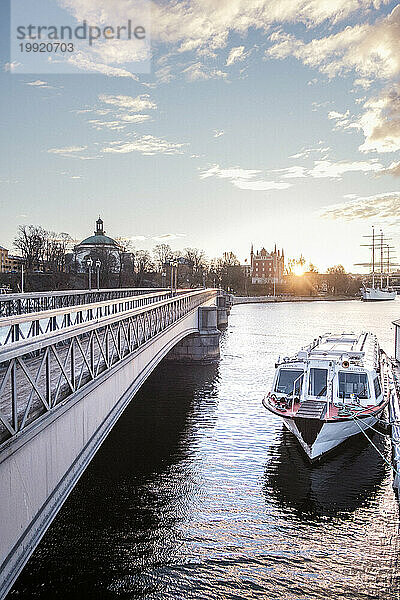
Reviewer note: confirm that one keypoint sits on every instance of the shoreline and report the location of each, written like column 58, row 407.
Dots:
column 272, row 299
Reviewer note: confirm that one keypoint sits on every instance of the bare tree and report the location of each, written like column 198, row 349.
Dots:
column 31, row 241
column 162, row 254
column 143, row 265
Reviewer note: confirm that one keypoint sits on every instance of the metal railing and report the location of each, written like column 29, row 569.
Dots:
column 18, row 304
column 42, row 372
column 28, row 325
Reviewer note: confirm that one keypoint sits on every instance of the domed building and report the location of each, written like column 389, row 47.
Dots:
column 99, row 246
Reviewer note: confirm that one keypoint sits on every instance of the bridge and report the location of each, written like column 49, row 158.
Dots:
column 70, row 362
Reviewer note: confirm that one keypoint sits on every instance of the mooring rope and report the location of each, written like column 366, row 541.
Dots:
column 376, row 448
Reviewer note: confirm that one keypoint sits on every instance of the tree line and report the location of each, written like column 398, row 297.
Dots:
column 49, row 252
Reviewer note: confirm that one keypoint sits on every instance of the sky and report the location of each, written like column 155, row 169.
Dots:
column 258, row 121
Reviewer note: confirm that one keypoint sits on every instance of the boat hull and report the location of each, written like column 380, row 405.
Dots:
column 377, row 294
column 327, row 434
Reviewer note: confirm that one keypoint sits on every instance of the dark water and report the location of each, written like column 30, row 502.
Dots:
column 198, row 493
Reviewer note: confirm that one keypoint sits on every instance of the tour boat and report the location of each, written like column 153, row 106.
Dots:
column 331, row 390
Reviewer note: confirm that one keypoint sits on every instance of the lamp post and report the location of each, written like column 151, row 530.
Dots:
column 89, row 263
column 98, row 265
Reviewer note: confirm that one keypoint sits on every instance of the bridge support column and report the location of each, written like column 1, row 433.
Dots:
column 222, row 312
column 202, row 346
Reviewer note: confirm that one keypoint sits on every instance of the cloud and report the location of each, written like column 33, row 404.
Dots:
column 218, row 133
column 10, row 67
column 204, row 25
column 168, row 236
column 335, row 170
column 243, row 179
column 291, row 172
column 236, row 54
column 129, row 103
column 123, row 111
column 368, row 49
column 68, row 150
column 305, row 152
column 199, row 71
column 118, row 125
column 381, row 122
column 72, row 152
column 85, row 63
column 393, row 169
column 38, row 83
column 147, row 145
column 380, row 206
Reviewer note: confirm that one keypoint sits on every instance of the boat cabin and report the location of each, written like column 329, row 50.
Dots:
column 338, row 369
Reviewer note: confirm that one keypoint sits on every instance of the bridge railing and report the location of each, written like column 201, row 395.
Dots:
column 18, row 304
column 28, row 325
column 40, row 374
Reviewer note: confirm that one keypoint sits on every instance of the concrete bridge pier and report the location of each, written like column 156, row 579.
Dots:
column 202, row 346
column 222, row 312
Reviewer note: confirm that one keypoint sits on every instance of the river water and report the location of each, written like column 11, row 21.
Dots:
column 198, row 493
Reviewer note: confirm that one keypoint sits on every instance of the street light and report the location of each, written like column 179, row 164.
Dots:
column 89, row 263
column 98, row 265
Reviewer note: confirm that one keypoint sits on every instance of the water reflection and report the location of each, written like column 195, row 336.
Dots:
column 121, row 519
column 336, row 487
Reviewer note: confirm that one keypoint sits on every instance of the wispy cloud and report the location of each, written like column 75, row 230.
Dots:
column 165, row 237
column 379, row 207
column 72, row 152
column 68, row 150
column 306, row 152
column 129, row 103
column 393, row 169
column 85, row 63
column 368, row 49
column 381, row 121
column 244, row 179
column 199, row 71
column 10, row 67
column 235, row 55
column 148, row 145
column 335, row 170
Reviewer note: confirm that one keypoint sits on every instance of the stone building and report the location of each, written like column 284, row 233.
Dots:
column 99, row 246
column 9, row 263
column 267, row 267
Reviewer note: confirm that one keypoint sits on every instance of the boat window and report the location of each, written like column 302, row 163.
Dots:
column 353, row 385
column 377, row 387
column 318, row 382
column 287, row 379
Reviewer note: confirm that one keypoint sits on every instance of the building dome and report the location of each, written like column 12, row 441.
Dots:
column 97, row 244
column 99, row 238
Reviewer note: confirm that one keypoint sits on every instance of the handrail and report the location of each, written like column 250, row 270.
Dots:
column 38, row 342
column 40, row 373
column 16, row 304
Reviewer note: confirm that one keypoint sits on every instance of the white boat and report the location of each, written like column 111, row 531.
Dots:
column 373, row 294
column 331, row 390
column 378, row 291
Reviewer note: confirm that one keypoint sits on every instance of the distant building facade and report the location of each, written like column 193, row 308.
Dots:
column 9, row 263
column 267, row 267
column 100, row 244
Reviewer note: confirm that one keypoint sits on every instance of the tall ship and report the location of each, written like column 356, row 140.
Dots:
column 380, row 288
column 333, row 389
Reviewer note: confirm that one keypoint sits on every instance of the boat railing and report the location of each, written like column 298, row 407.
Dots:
column 294, row 389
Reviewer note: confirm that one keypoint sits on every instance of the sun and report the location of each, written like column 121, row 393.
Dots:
column 299, row 270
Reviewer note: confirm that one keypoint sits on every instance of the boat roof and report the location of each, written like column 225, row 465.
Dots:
column 358, row 350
